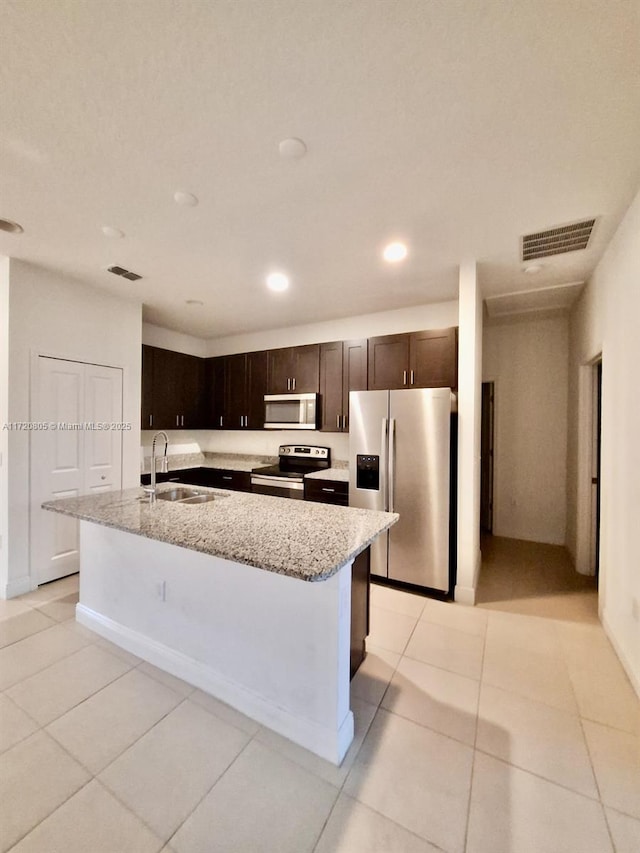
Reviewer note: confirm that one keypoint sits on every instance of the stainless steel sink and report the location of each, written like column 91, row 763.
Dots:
column 201, row 499
column 177, row 494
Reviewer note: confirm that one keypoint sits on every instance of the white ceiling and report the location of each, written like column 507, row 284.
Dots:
column 456, row 125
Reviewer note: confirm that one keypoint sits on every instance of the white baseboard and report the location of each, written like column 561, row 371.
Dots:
column 634, row 677
column 322, row 741
column 17, row 587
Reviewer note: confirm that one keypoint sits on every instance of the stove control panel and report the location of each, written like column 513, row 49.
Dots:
column 303, row 451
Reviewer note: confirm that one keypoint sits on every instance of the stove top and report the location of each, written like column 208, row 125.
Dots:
column 277, row 471
column 296, row 460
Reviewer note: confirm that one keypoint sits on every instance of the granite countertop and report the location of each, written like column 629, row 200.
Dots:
column 225, row 461
column 301, row 539
column 339, row 474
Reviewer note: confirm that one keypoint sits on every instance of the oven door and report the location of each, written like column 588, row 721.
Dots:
column 279, row 487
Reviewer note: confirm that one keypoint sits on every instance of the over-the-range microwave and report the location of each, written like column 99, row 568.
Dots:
column 290, row 411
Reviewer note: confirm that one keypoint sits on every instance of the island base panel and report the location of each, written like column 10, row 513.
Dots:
column 274, row 647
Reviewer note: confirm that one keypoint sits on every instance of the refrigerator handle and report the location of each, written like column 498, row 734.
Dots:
column 384, row 480
column 392, row 463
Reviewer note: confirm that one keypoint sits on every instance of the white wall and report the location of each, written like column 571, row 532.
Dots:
column 439, row 315
column 53, row 315
column 527, row 358
column 156, row 336
column 469, row 413
column 4, row 415
column 606, row 319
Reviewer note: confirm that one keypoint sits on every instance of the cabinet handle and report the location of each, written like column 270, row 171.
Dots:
column 150, row 420
column 404, row 377
column 294, row 383
column 411, row 377
column 220, row 420
column 177, row 420
column 328, row 490
column 227, row 478
column 344, row 422
column 181, row 420
column 338, row 421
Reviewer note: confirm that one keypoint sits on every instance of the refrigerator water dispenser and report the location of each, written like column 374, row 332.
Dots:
column 367, row 472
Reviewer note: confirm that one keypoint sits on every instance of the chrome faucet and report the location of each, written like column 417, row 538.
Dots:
column 164, row 464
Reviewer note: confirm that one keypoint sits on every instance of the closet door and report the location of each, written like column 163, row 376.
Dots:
column 69, row 458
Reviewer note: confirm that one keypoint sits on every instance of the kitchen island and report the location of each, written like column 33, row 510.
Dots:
column 247, row 597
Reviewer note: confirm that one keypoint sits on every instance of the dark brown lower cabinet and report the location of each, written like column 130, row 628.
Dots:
column 326, row 491
column 360, row 584
column 213, row 478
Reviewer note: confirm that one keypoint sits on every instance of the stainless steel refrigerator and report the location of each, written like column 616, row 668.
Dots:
column 401, row 460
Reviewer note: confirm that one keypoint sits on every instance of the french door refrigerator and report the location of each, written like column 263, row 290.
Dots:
column 402, row 459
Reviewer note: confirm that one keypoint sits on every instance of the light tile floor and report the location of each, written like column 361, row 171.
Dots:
column 506, row 728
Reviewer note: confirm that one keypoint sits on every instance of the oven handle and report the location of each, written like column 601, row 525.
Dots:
column 277, row 482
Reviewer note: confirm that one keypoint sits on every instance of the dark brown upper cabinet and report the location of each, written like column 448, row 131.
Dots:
column 214, row 393
column 294, row 370
column 172, row 388
column 245, row 383
column 433, row 358
column 343, row 368
column 427, row 359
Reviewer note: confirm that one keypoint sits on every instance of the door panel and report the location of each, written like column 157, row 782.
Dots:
column 368, row 417
column 420, row 447
column 103, row 447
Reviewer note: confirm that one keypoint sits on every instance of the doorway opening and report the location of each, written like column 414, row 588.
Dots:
column 596, row 456
column 486, row 458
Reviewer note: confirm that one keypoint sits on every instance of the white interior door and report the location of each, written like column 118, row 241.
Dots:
column 66, row 462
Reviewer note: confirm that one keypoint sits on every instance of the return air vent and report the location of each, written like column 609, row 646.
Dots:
column 130, row 276
column 557, row 241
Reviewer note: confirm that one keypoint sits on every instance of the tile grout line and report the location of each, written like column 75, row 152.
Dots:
column 475, row 740
column 220, row 777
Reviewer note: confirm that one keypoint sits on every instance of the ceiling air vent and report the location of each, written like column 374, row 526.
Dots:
column 130, row 276
column 557, row 241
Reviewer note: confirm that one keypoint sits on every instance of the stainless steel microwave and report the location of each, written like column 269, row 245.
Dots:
column 290, row 411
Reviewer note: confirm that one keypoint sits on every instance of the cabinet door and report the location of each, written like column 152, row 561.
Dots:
column 331, row 396
column 213, row 393
column 279, row 370
column 388, row 362
column 191, row 416
column 256, row 389
column 306, row 369
column 146, row 415
column 235, row 400
column 354, row 377
column 167, row 396
column 433, row 358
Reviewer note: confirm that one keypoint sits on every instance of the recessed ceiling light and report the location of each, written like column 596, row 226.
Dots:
column 185, row 199
column 532, row 269
column 277, row 281
column 395, row 252
column 10, row 227
column 292, row 148
column 109, row 231
column 193, row 302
